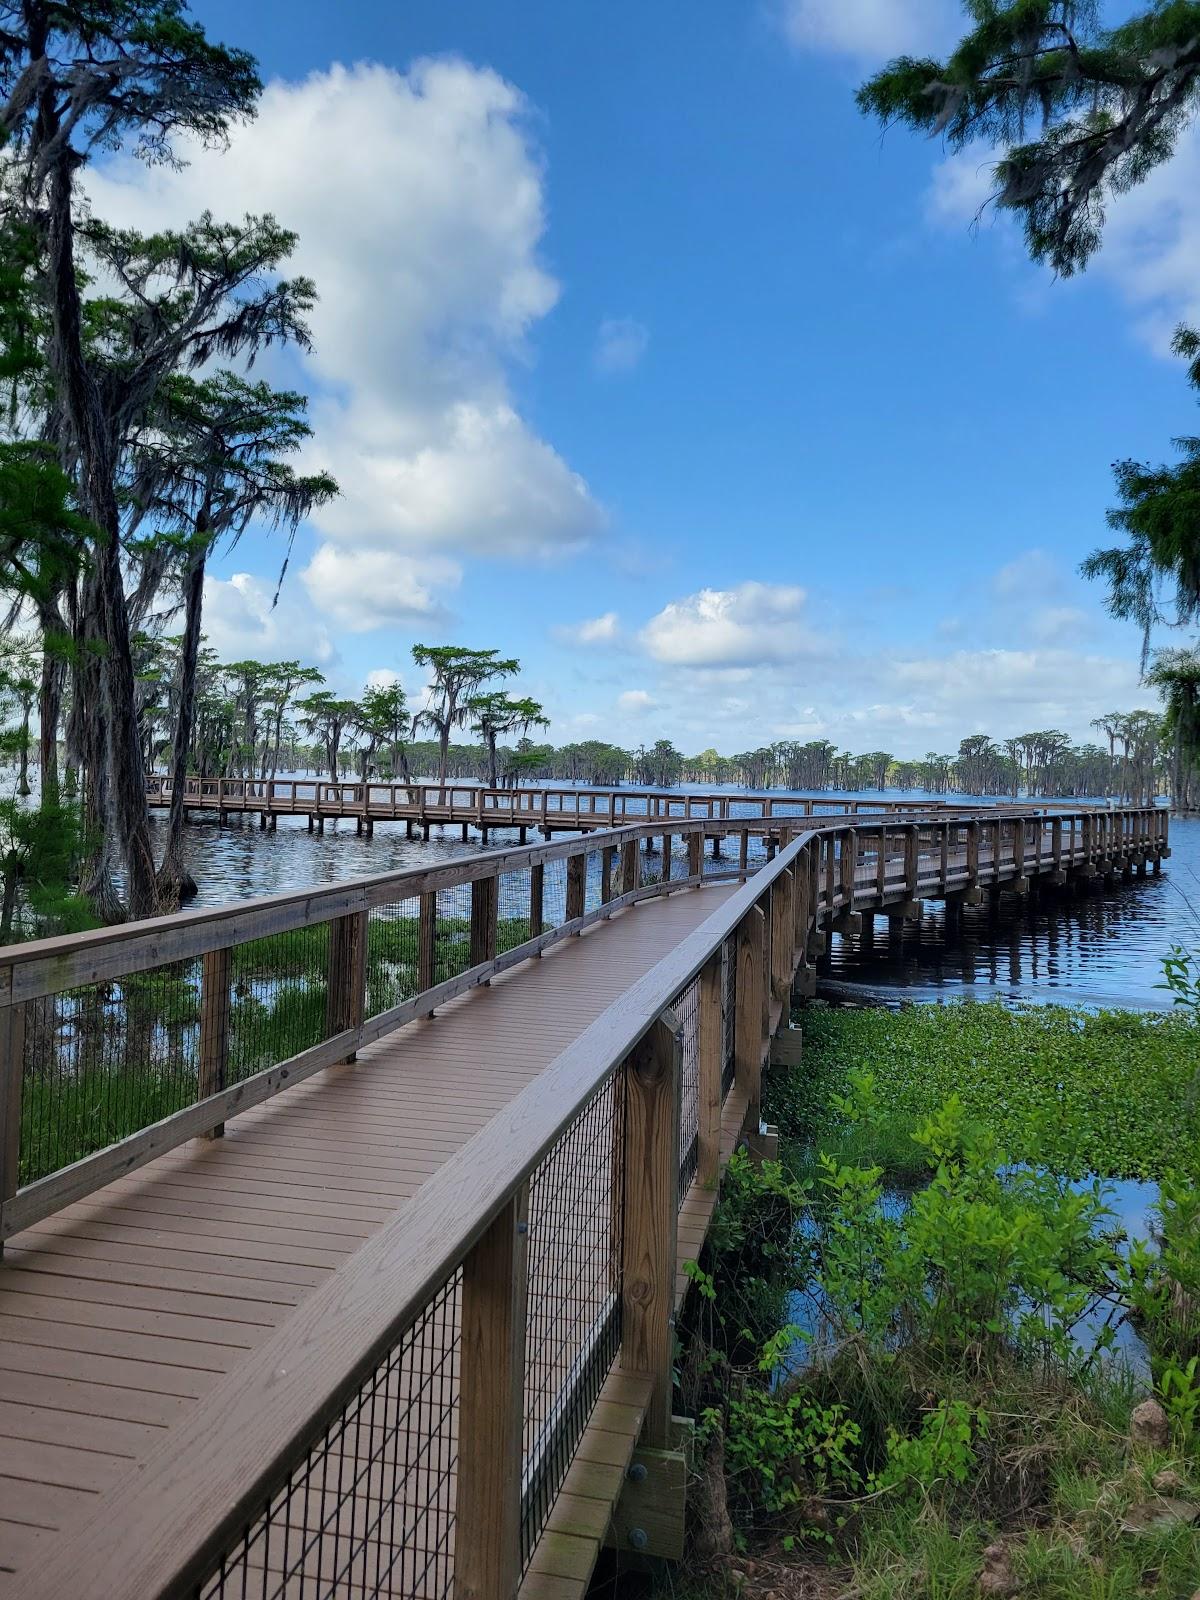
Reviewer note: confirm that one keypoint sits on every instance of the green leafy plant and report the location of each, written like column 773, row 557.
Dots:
column 942, row 1452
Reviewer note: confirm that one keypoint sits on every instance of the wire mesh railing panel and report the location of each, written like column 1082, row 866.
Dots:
column 728, row 1013
column 369, row 1510
column 104, row 1060
column 512, row 910
column 554, row 893
column 279, row 990
column 686, row 1007
column 393, row 954
column 452, row 942
column 573, row 1323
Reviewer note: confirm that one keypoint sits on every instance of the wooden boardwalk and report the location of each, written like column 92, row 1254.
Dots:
column 474, row 806
column 122, row 1313
column 399, row 1330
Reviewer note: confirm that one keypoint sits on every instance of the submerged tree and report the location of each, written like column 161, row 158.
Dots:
column 458, row 672
column 493, row 715
column 382, row 721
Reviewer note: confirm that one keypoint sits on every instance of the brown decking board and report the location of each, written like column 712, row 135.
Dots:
column 122, row 1311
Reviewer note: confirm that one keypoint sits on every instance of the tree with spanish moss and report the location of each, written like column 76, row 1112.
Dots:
column 493, row 715
column 1108, row 104
column 458, row 673
column 210, row 464
column 75, row 79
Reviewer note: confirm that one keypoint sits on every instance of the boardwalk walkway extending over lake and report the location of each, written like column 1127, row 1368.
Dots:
column 401, row 1329
column 551, row 810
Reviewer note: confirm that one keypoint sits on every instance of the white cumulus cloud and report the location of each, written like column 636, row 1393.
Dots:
column 871, row 30
column 634, row 700
column 419, row 199
column 240, row 622
column 740, row 627
column 365, row 589
column 604, row 629
column 620, row 344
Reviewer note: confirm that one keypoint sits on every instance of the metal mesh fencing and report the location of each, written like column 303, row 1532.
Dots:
column 452, row 940
column 393, row 954
column 573, row 1329
column 686, row 1007
column 370, row 1508
column 728, row 1012
column 554, row 893
column 278, row 994
column 103, row 1060
column 512, row 910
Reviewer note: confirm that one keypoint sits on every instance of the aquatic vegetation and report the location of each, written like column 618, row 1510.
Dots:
column 1114, row 1093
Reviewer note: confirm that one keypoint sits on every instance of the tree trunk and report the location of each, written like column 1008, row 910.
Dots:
column 443, row 752
column 23, row 775
column 50, row 694
column 492, row 761
column 120, row 746
column 175, row 882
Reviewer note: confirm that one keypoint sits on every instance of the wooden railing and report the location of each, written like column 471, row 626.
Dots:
column 290, row 1463
column 565, row 807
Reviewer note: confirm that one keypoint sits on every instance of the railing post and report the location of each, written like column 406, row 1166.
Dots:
column 537, row 909
column 695, row 854
column 666, row 855
column 782, row 931
column 849, row 868
column 972, row 854
column 651, row 1161
column 495, row 1288
column 214, row 1027
column 607, row 857
column 12, row 1073
column 744, row 851
column 748, row 1031
column 881, row 865
column 630, row 870
column 576, row 885
column 427, row 941
column 345, row 998
column 710, row 1049
column 484, row 900
column 912, row 859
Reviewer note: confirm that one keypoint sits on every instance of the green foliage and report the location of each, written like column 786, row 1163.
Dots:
column 1108, row 1093
column 781, row 1447
column 941, row 1452
column 1111, row 103
column 1181, row 975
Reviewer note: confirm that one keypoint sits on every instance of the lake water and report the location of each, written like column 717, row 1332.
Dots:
column 1105, row 949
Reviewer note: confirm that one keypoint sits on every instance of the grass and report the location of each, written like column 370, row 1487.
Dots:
column 1110, row 1093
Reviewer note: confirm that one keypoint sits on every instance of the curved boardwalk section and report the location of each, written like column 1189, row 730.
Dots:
column 343, row 1231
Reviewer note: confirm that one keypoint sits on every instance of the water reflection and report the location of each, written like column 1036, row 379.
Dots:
column 1106, row 947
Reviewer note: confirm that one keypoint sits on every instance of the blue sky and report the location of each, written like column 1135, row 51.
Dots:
column 642, row 356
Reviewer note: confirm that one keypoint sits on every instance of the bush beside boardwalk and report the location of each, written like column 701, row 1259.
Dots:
column 950, row 1421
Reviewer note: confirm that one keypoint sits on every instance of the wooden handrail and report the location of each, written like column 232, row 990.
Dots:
column 153, row 1534
column 161, row 1529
